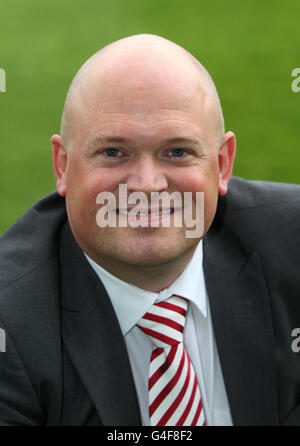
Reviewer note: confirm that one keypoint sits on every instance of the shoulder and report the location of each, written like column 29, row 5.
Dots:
column 31, row 240
column 243, row 194
column 29, row 264
column 263, row 216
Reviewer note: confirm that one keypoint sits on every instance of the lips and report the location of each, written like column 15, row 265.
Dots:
column 145, row 212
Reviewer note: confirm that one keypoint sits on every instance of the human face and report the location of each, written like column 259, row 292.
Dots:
column 151, row 141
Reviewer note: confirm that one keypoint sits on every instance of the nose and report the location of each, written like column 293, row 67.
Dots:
column 147, row 176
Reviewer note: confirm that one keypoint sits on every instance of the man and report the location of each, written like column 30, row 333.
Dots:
column 75, row 296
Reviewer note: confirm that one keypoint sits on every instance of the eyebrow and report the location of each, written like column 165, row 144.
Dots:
column 183, row 140
column 98, row 140
column 94, row 142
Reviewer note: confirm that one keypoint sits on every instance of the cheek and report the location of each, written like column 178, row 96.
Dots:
column 205, row 181
column 87, row 181
column 83, row 186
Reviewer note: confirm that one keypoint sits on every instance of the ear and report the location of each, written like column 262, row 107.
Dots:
column 60, row 158
column 226, row 160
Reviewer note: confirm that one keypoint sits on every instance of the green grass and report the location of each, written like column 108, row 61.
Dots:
column 249, row 47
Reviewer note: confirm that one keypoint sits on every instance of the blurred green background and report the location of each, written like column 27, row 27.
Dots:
column 250, row 48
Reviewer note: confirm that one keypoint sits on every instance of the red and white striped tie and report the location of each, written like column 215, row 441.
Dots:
column 174, row 394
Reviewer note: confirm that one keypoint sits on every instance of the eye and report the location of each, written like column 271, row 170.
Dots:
column 177, row 153
column 112, row 152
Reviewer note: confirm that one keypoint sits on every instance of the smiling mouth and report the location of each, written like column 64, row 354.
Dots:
column 145, row 213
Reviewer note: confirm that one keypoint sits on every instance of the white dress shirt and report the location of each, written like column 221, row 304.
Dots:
column 131, row 303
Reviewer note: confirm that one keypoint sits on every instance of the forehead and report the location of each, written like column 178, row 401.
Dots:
column 140, row 90
column 137, row 122
column 138, row 130
column 143, row 98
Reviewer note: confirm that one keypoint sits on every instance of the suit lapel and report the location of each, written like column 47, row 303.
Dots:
column 243, row 329
column 94, row 340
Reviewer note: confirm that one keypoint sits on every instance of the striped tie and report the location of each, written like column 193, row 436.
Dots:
column 174, row 394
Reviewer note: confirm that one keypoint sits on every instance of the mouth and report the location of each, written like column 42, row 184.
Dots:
column 145, row 212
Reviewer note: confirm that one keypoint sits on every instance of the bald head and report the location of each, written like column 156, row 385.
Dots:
column 138, row 65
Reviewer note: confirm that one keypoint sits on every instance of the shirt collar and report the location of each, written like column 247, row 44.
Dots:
column 131, row 303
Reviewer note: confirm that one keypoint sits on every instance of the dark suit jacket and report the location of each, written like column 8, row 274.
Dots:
column 66, row 362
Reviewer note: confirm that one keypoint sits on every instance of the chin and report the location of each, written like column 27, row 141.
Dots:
column 148, row 256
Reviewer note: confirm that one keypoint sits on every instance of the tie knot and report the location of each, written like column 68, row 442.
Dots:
column 164, row 322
